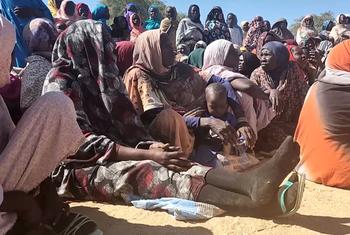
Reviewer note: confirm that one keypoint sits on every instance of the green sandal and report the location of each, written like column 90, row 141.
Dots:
column 288, row 184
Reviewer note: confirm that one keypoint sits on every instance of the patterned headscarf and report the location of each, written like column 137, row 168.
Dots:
column 40, row 35
column 216, row 26
column 84, row 67
column 8, row 39
column 254, row 32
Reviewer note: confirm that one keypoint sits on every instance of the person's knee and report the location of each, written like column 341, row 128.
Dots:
column 57, row 102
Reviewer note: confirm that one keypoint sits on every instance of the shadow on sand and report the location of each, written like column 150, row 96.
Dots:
column 111, row 226
column 319, row 224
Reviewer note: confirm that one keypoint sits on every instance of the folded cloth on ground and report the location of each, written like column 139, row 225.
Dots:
column 181, row 209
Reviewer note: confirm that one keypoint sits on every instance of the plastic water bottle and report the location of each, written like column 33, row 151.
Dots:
column 241, row 146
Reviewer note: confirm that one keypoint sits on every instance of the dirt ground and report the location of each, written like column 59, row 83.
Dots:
column 324, row 210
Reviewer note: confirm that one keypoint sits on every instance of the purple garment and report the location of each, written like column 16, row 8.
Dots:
column 128, row 13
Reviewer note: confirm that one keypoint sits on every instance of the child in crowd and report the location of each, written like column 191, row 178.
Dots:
column 217, row 109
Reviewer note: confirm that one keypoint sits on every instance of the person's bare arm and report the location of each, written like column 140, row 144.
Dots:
column 249, row 87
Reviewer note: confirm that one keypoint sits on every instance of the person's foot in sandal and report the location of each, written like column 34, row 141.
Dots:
column 290, row 194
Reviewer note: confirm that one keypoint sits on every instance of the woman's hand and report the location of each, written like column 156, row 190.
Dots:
column 248, row 134
column 171, row 158
column 274, row 98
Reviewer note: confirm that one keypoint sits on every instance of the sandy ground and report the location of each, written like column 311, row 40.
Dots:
column 324, row 211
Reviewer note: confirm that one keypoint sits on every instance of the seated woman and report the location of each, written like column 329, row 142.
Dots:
column 83, row 11
column 124, row 52
column 40, row 36
column 136, row 27
column 248, row 62
column 120, row 29
column 279, row 79
column 253, row 34
column 29, row 152
column 308, row 71
column 155, row 82
column 306, row 30
column 101, row 14
column 66, row 15
column 190, row 29
column 105, row 169
column 323, row 128
column 221, row 59
column 20, row 13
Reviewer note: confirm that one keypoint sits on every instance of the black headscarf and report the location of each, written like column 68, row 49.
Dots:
column 251, row 62
column 196, row 20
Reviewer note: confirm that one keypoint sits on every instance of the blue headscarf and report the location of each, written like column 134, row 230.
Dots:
column 151, row 23
column 101, row 13
column 327, row 24
column 21, row 51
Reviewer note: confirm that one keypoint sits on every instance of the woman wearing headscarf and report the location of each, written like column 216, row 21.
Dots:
column 136, row 27
column 280, row 28
column 54, row 5
column 341, row 27
column 101, row 14
column 120, row 29
column 124, row 52
column 267, row 26
column 130, row 9
column 306, row 29
column 245, row 28
column 67, row 11
column 327, row 42
column 248, row 62
column 221, row 59
column 114, row 171
column 83, row 11
column 255, row 30
column 26, row 168
column 264, row 38
column 20, row 13
column 170, row 24
column 153, row 22
column 40, row 36
column 279, row 79
column 323, row 128
column 215, row 26
column 236, row 32
column 66, row 15
column 156, row 83
column 190, row 29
